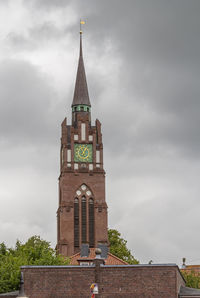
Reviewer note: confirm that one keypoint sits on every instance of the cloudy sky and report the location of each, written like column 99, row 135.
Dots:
column 142, row 61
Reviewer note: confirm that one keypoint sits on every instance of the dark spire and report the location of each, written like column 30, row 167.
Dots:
column 81, row 96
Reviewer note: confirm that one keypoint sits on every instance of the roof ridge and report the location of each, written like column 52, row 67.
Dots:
column 74, row 255
column 89, row 258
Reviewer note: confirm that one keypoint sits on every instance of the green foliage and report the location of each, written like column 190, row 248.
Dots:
column 192, row 279
column 34, row 252
column 118, row 247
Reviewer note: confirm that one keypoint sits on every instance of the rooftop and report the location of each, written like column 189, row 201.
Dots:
column 110, row 260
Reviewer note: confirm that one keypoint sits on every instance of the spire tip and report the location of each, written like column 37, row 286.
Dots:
column 81, row 23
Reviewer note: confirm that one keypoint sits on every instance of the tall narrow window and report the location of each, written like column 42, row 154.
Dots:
column 91, row 223
column 76, row 223
column 83, row 131
column 97, row 156
column 69, row 155
column 84, row 220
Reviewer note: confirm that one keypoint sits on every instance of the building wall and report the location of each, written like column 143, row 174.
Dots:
column 140, row 281
column 58, row 282
column 114, row 281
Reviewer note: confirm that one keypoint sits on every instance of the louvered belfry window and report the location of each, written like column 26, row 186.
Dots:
column 76, row 222
column 91, row 222
column 84, row 220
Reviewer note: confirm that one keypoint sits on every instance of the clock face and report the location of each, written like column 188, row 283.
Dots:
column 83, row 152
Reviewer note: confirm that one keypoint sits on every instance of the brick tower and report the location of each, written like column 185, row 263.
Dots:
column 82, row 211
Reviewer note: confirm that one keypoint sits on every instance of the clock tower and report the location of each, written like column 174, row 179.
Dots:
column 82, row 210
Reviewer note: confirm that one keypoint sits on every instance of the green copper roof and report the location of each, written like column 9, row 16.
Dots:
column 79, row 108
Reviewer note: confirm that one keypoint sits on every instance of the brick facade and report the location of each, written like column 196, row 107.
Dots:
column 141, row 281
column 157, row 281
column 71, row 180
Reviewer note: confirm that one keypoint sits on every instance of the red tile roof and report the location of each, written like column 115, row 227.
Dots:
column 191, row 268
column 111, row 259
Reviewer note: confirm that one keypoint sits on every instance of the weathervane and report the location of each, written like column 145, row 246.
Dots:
column 81, row 23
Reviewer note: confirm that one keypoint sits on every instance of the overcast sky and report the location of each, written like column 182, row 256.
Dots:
column 142, row 60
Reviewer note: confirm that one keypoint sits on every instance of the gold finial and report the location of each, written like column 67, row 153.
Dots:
column 81, row 23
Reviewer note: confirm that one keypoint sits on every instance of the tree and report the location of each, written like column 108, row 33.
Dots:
column 118, row 247
column 34, row 252
column 192, row 279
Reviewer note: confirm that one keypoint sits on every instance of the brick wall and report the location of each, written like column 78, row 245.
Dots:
column 114, row 281
column 140, row 281
column 57, row 282
column 157, row 281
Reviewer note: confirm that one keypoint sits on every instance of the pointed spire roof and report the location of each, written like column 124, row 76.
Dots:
column 81, row 95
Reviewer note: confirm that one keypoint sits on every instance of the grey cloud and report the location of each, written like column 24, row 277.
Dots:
column 19, row 41
column 37, row 36
column 46, row 4
column 26, row 100
column 48, row 31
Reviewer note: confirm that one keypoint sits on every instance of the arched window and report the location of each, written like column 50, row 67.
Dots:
column 84, row 220
column 76, row 223
column 91, row 222
column 84, row 217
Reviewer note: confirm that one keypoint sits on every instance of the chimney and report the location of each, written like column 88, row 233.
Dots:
column 85, row 250
column 183, row 265
column 104, row 250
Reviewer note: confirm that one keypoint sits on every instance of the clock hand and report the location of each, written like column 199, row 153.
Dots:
column 84, row 150
column 81, row 150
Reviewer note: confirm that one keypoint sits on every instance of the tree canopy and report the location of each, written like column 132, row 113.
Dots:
column 192, row 279
column 34, row 252
column 37, row 251
column 118, row 247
